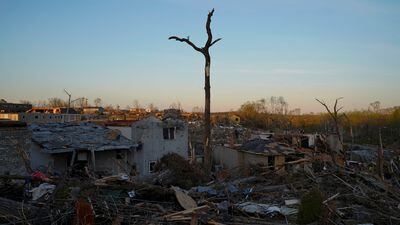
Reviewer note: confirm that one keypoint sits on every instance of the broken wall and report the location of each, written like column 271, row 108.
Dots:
column 333, row 142
column 125, row 131
column 113, row 162
column 149, row 132
column 12, row 140
column 40, row 159
column 231, row 158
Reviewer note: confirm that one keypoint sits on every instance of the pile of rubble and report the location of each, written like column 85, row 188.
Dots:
column 323, row 196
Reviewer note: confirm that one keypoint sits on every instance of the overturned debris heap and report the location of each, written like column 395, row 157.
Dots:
column 261, row 181
column 321, row 196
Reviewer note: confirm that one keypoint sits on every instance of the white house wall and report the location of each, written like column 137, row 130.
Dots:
column 150, row 133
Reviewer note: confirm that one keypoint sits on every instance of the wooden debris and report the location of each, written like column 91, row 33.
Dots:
column 331, row 198
column 184, row 200
column 186, row 214
column 21, row 212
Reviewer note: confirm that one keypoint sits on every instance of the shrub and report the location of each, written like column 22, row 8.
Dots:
column 182, row 173
column 310, row 208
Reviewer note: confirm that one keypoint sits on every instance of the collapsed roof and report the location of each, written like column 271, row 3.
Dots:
column 166, row 122
column 68, row 137
column 267, row 147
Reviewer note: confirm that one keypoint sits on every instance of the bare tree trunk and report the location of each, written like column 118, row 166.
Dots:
column 207, row 87
column 207, row 116
column 335, row 117
column 379, row 164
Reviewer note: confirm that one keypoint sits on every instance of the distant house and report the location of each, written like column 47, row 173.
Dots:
column 63, row 145
column 116, row 116
column 6, row 107
column 234, row 119
column 271, row 154
column 52, row 110
column 42, row 118
column 137, row 110
column 93, row 110
column 38, row 115
column 304, row 140
column 157, row 138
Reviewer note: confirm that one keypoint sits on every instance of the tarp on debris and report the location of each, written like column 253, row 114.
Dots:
column 265, row 209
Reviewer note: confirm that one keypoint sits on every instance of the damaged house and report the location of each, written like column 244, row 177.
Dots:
column 58, row 147
column 14, row 139
column 272, row 155
column 63, row 145
column 157, row 138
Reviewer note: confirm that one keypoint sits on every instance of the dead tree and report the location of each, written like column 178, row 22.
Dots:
column 335, row 118
column 207, row 114
column 379, row 159
column 334, row 115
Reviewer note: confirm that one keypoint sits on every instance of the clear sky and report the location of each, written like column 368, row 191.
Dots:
column 119, row 51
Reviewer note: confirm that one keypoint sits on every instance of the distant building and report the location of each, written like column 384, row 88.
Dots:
column 38, row 115
column 157, row 138
column 117, row 116
column 14, row 107
column 172, row 113
column 234, row 119
column 137, row 110
column 52, row 110
column 93, row 110
column 271, row 155
column 38, row 118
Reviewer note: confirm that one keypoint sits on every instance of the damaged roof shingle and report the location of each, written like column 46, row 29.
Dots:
column 267, row 147
column 67, row 137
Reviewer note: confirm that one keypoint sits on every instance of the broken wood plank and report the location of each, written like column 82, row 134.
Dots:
column 347, row 184
column 331, row 198
column 184, row 200
column 188, row 211
column 20, row 211
column 194, row 220
column 212, row 222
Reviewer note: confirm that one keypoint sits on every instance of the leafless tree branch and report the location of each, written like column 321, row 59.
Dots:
column 326, row 107
column 209, row 42
column 335, row 107
column 215, row 41
column 208, row 28
column 187, row 41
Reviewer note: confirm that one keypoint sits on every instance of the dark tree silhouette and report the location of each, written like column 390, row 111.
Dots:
column 334, row 115
column 335, row 118
column 207, row 117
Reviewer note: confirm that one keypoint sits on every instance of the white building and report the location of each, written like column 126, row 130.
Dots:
column 156, row 138
column 106, row 151
column 42, row 118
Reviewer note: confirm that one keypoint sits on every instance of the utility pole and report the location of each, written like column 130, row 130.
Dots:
column 69, row 103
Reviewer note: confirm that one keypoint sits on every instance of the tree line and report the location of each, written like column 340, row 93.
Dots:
column 357, row 126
